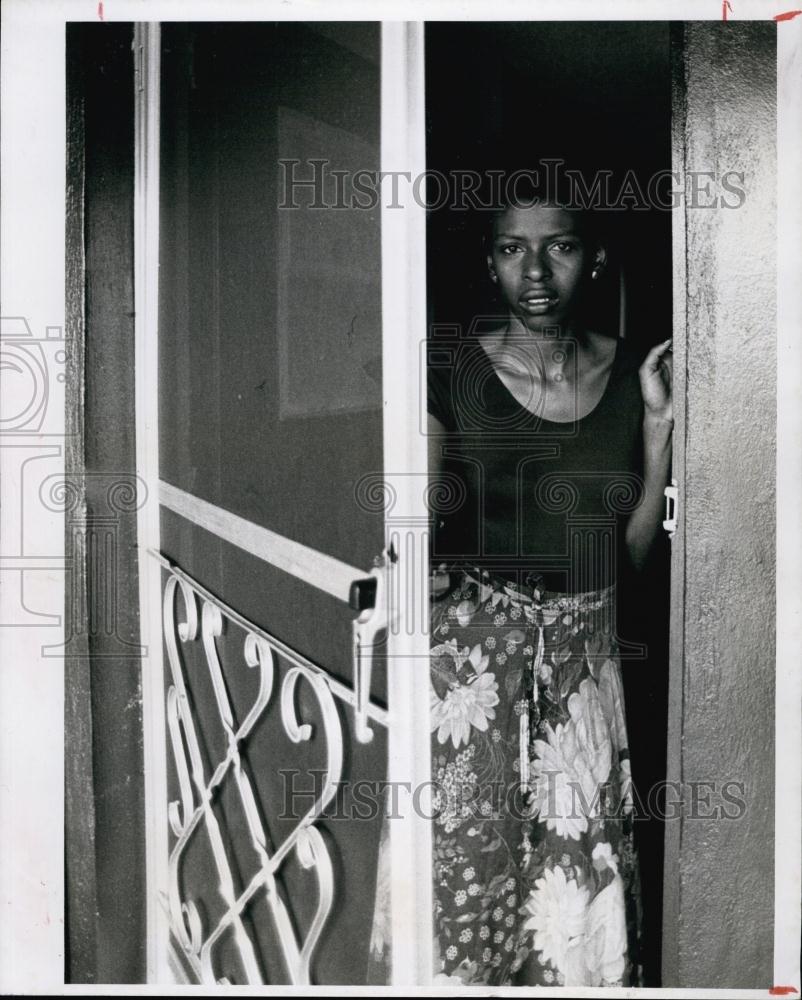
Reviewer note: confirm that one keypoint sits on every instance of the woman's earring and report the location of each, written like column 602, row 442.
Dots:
column 493, row 276
column 594, row 273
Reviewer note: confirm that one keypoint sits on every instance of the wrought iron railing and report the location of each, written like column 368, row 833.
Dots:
column 204, row 617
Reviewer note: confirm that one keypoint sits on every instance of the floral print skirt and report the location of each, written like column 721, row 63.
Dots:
column 535, row 875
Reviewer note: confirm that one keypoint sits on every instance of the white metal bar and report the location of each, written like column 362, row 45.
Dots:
column 788, row 736
column 337, row 688
column 405, row 459
column 198, row 785
column 147, row 59
column 189, row 931
column 307, row 564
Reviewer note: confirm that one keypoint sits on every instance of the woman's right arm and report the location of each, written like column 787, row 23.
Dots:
column 656, row 379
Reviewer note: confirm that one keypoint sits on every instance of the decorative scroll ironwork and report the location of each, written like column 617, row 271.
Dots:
column 198, row 783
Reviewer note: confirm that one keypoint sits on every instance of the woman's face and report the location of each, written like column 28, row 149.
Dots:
column 540, row 262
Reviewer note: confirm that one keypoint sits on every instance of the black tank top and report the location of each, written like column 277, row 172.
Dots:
column 522, row 495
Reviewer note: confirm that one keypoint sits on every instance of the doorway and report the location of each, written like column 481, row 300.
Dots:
column 218, row 506
column 510, row 97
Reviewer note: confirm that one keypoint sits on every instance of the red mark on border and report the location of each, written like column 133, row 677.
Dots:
column 789, row 15
column 781, row 991
column 100, row 10
column 725, row 6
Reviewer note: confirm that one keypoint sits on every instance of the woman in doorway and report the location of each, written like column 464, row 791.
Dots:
column 557, row 448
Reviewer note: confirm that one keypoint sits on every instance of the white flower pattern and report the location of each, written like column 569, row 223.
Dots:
column 557, row 910
column 572, row 765
column 465, row 704
column 559, row 885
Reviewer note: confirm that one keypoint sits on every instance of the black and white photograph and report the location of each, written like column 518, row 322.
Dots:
column 401, row 459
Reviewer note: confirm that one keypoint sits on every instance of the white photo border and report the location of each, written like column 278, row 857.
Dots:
column 32, row 240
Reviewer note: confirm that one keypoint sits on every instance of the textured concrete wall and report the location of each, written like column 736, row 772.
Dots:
column 104, row 781
column 719, row 871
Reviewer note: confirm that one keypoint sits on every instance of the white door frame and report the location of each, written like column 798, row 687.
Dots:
column 403, row 148
column 405, row 464
column 147, row 60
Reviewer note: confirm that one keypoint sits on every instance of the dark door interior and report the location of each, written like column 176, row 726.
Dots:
column 502, row 96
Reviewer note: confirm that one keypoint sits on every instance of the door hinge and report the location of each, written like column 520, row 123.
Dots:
column 672, row 504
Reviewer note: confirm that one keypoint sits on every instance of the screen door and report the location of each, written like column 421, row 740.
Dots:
column 290, row 672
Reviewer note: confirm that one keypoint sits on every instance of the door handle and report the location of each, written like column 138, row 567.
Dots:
column 672, row 503
column 368, row 596
column 362, row 595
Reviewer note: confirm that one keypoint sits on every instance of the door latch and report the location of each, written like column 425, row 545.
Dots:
column 368, row 597
column 672, row 503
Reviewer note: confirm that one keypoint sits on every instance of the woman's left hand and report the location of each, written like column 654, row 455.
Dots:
column 656, row 380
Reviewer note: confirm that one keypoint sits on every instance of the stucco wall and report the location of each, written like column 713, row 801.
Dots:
column 719, row 871
column 104, row 780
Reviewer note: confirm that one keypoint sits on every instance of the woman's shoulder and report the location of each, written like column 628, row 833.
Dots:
column 440, row 385
column 450, row 368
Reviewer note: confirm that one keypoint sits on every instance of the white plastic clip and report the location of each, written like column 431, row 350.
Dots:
column 672, row 502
